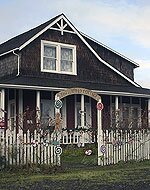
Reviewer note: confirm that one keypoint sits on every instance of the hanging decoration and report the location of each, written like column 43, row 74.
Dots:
column 99, row 106
column 58, row 150
column 58, row 104
column 103, row 149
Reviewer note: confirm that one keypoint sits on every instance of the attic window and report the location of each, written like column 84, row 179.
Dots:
column 58, row 58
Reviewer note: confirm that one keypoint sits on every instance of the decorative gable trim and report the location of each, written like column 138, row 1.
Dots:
column 40, row 33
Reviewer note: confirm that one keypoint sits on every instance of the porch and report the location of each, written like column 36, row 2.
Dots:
column 30, row 109
column 37, row 135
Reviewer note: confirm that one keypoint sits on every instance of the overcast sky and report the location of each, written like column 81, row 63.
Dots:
column 123, row 25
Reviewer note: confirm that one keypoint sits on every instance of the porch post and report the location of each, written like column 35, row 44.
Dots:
column 2, row 131
column 82, row 110
column 3, row 102
column 37, row 106
column 20, row 110
column 117, row 110
column 149, row 113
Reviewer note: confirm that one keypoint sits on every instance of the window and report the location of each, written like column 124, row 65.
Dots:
column 58, row 58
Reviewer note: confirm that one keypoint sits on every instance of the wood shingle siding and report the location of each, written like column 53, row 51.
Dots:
column 116, row 61
column 8, row 65
column 89, row 68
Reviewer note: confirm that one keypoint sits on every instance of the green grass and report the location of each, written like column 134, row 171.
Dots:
column 76, row 166
column 120, row 173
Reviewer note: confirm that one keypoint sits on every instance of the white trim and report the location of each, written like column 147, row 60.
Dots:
column 60, row 89
column 114, row 93
column 99, row 43
column 58, row 47
column 67, row 31
column 2, row 103
column 9, row 51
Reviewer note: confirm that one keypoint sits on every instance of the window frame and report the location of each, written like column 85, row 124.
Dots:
column 58, row 57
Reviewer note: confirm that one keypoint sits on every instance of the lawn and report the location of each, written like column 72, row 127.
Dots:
column 127, row 176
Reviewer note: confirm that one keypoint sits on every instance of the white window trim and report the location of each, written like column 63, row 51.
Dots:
column 58, row 46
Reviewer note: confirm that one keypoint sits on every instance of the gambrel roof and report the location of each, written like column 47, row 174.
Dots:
column 62, row 24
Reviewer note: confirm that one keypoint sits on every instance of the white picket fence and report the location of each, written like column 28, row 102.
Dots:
column 40, row 147
column 78, row 137
column 25, row 148
column 125, row 145
column 117, row 145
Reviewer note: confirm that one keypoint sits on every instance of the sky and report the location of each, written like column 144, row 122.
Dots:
column 123, row 25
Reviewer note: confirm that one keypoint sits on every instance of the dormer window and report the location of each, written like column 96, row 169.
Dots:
column 58, row 58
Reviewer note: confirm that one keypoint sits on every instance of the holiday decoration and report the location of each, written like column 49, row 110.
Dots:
column 88, row 152
column 58, row 104
column 103, row 149
column 58, row 150
column 100, row 106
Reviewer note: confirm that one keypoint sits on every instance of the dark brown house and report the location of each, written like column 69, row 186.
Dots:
column 55, row 56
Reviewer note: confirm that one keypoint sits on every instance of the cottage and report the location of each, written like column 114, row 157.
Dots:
column 55, row 61
column 55, row 56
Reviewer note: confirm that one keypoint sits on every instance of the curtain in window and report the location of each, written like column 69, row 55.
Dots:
column 66, row 59
column 49, row 59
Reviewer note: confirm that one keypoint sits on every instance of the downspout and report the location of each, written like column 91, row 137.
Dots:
column 18, row 70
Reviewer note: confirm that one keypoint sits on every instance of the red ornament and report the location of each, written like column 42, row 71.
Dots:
column 99, row 106
column 2, row 124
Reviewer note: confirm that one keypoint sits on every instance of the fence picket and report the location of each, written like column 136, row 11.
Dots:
column 121, row 145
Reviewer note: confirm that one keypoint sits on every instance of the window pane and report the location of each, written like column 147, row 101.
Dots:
column 66, row 54
column 66, row 66
column 49, row 64
column 50, row 51
column 66, row 59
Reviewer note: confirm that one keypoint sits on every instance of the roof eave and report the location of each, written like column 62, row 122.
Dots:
column 9, row 52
